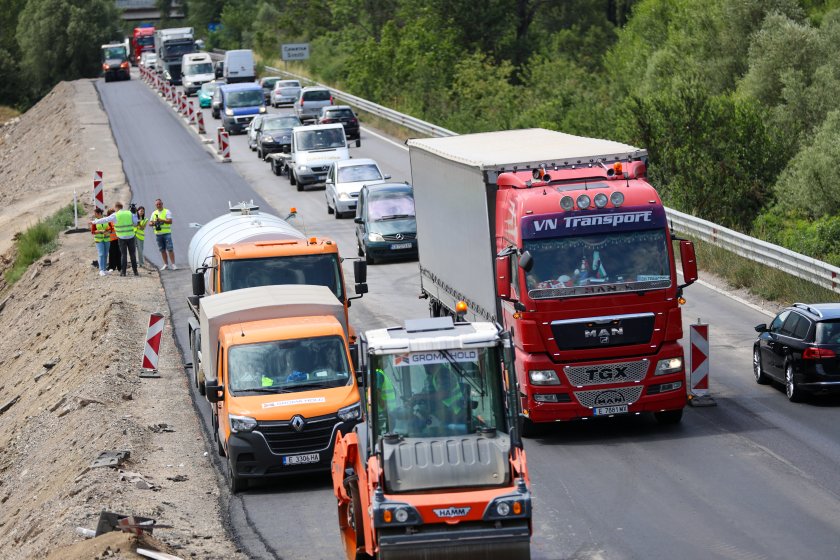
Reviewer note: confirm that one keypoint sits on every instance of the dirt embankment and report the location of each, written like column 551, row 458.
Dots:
column 69, row 364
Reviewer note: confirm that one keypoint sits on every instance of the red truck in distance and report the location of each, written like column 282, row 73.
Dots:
column 143, row 40
column 578, row 263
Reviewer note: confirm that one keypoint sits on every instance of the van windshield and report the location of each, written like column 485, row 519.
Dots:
column 289, row 366
column 201, row 68
column 248, row 98
column 320, row 139
column 390, row 206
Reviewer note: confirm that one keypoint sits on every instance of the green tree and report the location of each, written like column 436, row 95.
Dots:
column 61, row 39
column 10, row 93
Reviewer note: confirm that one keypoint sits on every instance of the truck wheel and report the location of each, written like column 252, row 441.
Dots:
column 669, row 417
column 351, row 520
column 194, row 344
column 530, row 429
column 235, row 483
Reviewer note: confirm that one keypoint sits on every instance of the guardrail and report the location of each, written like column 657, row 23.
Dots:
column 814, row 271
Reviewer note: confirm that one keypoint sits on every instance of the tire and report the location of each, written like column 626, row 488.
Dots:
column 529, row 428
column 236, row 484
column 359, row 249
column 669, row 417
column 292, row 179
column 260, row 154
column 330, row 209
column 369, row 259
column 792, row 390
column 220, row 449
column 215, row 114
column 196, row 342
column 338, row 215
column 358, row 142
column 351, row 519
column 760, row 377
column 276, row 170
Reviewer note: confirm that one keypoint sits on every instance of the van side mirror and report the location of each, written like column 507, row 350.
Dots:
column 526, row 261
column 198, row 284
column 215, row 392
column 689, row 262
column 358, row 220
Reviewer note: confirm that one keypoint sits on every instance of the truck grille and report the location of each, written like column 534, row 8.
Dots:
column 609, row 397
column 283, row 439
column 601, row 374
column 403, row 237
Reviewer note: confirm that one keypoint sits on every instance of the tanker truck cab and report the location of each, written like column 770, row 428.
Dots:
column 430, row 386
column 284, row 384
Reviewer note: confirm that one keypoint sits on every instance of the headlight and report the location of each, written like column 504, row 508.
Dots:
column 352, row 412
column 343, row 196
column 262, row 109
column 187, row 83
column 241, row 424
column 583, row 201
column 302, row 168
column 391, row 514
column 668, row 365
column 229, row 112
column 509, row 507
column 543, row 377
column 267, row 139
column 373, row 236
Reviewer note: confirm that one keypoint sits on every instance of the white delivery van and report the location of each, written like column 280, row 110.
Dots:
column 196, row 70
column 314, row 149
column 239, row 66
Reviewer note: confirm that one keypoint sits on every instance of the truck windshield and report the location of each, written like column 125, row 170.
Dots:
column 145, row 40
column 173, row 50
column 437, row 393
column 202, row 68
column 319, row 270
column 598, row 264
column 248, row 98
column 111, row 53
column 320, row 139
column 288, row 366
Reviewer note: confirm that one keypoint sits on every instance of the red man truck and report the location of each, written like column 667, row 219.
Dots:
column 566, row 244
column 143, row 40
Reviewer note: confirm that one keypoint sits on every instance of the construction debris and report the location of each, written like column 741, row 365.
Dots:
column 110, row 459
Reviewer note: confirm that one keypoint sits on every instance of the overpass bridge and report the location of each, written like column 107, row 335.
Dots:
column 147, row 10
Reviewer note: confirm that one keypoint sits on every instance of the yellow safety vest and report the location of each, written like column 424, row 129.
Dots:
column 386, row 388
column 124, row 224
column 102, row 234
column 161, row 215
column 455, row 399
column 140, row 229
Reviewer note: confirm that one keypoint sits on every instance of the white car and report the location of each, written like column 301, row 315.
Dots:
column 344, row 181
column 148, row 60
column 285, row 92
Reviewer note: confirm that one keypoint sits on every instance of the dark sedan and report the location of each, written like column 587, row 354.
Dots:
column 275, row 134
column 386, row 227
column 800, row 349
column 342, row 114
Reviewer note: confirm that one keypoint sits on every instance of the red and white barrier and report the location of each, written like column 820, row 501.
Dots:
column 219, row 132
column 98, row 188
column 151, row 351
column 225, row 146
column 698, row 363
column 190, row 112
column 200, row 121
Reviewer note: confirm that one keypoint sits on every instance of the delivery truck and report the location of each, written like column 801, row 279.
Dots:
column 280, row 379
column 561, row 239
column 246, row 248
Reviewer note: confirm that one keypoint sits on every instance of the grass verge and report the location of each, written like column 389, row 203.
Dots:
column 763, row 281
column 37, row 241
column 7, row 114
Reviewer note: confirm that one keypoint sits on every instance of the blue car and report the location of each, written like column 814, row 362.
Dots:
column 240, row 103
column 386, row 227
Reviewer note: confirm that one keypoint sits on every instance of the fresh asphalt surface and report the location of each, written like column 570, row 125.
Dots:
column 755, row 477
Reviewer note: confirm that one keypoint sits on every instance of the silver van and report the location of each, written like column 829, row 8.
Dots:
column 309, row 102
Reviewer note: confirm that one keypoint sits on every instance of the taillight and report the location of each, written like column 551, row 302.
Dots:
column 331, row 100
column 818, row 354
column 301, row 102
column 326, row 121
column 104, row 66
column 352, row 121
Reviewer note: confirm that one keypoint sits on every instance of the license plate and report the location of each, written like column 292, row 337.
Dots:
column 301, row 459
column 606, row 410
column 400, row 246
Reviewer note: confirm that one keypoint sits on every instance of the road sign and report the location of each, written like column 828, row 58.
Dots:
column 295, row 51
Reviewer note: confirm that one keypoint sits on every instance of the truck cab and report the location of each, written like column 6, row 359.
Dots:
column 196, row 70
column 283, row 382
column 437, row 470
column 314, row 148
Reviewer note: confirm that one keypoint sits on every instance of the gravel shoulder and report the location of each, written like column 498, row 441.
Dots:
column 70, row 363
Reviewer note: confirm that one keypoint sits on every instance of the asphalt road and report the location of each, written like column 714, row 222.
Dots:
column 755, row 477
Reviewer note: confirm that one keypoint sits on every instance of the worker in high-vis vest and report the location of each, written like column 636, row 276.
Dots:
column 140, row 233
column 124, row 222
column 162, row 222
column 446, row 395
column 102, row 240
column 386, row 400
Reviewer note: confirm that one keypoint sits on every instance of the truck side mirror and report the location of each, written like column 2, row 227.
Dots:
column 526, row 261
column 215, row 392
column 360, row 272
column 689, row 262
column 502, row 279
column 198, row 284
column 354, row 356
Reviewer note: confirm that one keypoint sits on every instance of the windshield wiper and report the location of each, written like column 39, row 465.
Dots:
column 313, row 384
column 395, row 217
column 321, row 150
column 461, row 372
column 263, row 390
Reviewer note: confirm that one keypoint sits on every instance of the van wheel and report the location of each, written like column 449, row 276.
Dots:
column 292, row 178
column 361, row 252
column 199, row 383
column 369, row 259
column 235, row 482
column 214, row 420
column 330, row 209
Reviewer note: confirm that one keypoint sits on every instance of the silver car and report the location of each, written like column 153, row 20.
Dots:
column 308, row 104
column 285, row 92
column 344, row 181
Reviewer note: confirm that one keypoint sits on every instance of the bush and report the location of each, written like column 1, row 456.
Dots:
column 37, row 241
